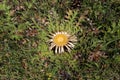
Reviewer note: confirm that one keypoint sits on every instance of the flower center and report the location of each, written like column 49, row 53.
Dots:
column 60, row 39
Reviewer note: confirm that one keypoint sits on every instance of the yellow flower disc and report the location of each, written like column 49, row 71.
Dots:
column 60, row 39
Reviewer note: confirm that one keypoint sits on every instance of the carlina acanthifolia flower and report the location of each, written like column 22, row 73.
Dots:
column 62, row 41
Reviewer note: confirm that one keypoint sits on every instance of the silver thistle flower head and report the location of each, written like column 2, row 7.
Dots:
column 62, row 41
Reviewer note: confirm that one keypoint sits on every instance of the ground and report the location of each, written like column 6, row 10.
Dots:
column 25, row 27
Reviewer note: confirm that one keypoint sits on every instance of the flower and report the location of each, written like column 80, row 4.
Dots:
column 62, row 41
